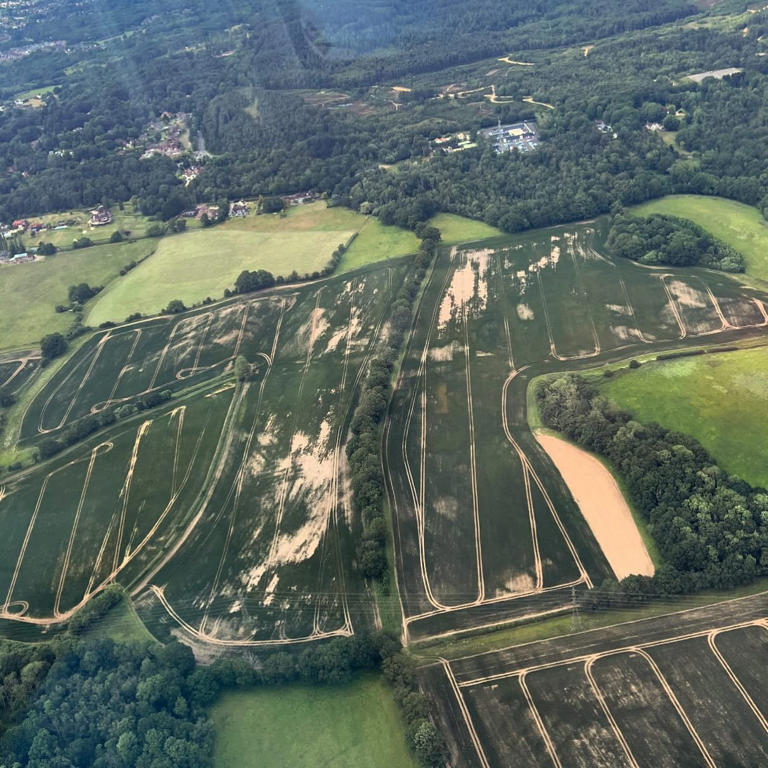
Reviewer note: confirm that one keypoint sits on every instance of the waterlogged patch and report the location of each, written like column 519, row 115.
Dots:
column 468, row 289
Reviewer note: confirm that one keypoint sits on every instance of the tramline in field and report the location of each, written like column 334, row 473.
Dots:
column 592, row 698
column 227, row 509
column 485, row 529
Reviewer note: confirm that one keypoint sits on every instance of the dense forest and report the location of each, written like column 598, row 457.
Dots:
column 241, row 77
column 659, row 239
column 711, row 528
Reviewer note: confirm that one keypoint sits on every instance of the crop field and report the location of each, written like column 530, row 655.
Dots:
column 226, row 510
column 485, row 529
column 722, row 400
column 685, row 689
column 741, row 226
column 30, row 292
column 15, row 372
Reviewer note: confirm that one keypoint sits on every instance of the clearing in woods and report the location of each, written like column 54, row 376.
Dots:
column 304, row 727
column 722, row 400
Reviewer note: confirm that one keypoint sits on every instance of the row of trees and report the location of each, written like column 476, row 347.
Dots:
column 711, row 527
column 660, row 239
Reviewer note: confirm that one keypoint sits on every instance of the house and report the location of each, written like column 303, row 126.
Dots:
column 299, row 198
column 20, row 258
column 239, row 209
column 100, row 217
column 20, row 225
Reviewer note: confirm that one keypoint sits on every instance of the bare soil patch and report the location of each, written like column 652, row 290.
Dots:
column 603, row 506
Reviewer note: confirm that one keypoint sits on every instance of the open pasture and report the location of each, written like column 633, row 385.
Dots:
column 722, row 400
column 226, row 511
column 485, row 529
column 30, row 292
column 685, row 689
column 739, row 225
column 194, row 265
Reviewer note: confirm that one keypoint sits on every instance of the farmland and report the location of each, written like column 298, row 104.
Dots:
column 194, row 265
column 162, row 500
column 30, row 292
column 722, row 400
column 593, row 698
column 485, row 529
column 346, row 727
column 739, row 225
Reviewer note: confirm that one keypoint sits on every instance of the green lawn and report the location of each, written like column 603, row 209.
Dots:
column 30, row 292
column 739, row 225
column 459, row 229
column 308, row 727
column 198, row 264
column 720, row 399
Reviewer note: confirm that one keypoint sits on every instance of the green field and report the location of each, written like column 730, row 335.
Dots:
column 459, row 229
column 122, row 625
column 722, row 400
column 739, row 225
column 344, row 727
column 30, row 292
column 203, row 263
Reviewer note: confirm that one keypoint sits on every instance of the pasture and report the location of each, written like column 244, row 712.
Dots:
column 459, row 229
column 194, row 265
column 227, row 508
column 685, row 689
column 739, row 225
column 721, row 399
column 486, row 531
column 30, row 292
column 349, row 726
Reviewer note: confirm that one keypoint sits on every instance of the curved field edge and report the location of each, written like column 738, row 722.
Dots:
column 720, row 399
column 740, row 226
column 534, row 420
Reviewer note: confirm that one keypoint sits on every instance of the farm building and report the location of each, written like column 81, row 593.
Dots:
column 524, row 137
column 100, row 217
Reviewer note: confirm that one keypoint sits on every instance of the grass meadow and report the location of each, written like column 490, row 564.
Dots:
column 739, row 225
column 30, row 292
column 722, row 400
column 194, row 265
column 304, row 727
column 459, row 229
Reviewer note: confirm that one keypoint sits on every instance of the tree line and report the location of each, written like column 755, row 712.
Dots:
column 711, row 527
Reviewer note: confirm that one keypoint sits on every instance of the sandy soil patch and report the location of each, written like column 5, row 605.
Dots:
column 603, row 506
column 469, row 286
column 524, row 312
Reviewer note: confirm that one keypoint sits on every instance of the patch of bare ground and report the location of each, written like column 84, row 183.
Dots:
column 603, row 506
